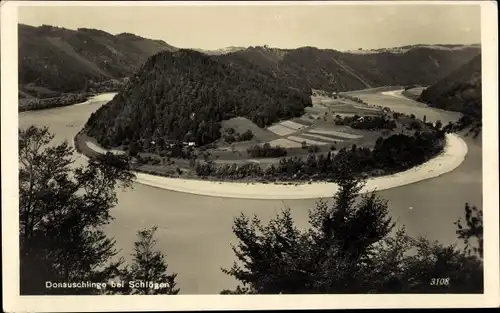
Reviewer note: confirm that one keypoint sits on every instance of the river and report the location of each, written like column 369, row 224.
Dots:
column 195, row 231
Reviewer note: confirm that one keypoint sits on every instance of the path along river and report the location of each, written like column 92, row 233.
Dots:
column 195, row 231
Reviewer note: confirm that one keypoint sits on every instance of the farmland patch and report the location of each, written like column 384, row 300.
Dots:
column 285, row 143
column 334, row 133
column 308, row 141
column 321, row 137
column 365, row 108
column 292, row 125
column 281, row 130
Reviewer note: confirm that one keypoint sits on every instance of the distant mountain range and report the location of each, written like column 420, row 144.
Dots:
column 404, row 49
column 55, row 60
column 220, row 51
column 458, row 91
column 333, row 70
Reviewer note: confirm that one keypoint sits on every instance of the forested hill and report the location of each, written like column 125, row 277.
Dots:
column 459, row 91
column 183, row 95
column 333, row 70
column 54, row 60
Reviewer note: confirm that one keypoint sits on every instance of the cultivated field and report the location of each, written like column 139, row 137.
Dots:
column 321, row 137
column 281, row 130
column 307, row 141
column 315, row 128
column 285, row 143
column 335, row 133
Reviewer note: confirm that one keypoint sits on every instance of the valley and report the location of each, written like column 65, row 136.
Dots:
column 210, row 143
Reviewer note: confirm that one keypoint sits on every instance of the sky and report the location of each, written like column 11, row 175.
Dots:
column 340, row 27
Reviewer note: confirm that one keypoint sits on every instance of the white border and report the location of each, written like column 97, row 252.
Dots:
column 10, row 219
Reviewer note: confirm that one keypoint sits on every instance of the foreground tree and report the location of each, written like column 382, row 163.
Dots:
column 349, row 249
column 149, row 269
column 62, row 209
column 473, row 229
column 327, row 258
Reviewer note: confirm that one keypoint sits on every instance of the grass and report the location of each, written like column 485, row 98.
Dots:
column 285, row 143
column 321, row 137
column 307, row 141
column 334, row 133
column 281, row 130
column 241, row 124
column 292, row 125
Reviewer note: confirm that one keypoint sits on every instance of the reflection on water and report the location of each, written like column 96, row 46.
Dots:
column 196, row 230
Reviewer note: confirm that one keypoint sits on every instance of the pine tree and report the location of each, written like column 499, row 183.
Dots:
column 61, row 213
column 328, row 257
column 149, row 266
column 349, row 249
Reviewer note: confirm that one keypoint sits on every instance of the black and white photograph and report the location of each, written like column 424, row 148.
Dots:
column 237, row 149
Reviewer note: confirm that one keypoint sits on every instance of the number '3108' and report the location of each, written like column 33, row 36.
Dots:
column 442, row 281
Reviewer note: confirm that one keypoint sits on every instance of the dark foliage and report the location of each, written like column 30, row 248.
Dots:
column 347, row 249
column 185, row 95
column 41, row 104
column 266, row 151
column 459, row 91
column 396, row 153
column 148, row 266
column 367, row 122
column 61, row 213
column 231, row 136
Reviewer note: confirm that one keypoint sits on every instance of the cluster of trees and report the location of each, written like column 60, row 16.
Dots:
column 472, row 124
column 266, row 151
column 311, row 148
column 347, row 249
column 232, row 136
column 160, row 147
column 367, row 122
column 459, row 91
column 185, row 95
column 62, row 211
column 355, row 99
column 29, row 104
column 395, row 153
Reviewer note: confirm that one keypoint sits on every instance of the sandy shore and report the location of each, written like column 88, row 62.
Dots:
column 452, row 156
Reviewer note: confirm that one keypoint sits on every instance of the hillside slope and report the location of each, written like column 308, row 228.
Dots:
column 459, row 91
column 333, row 70
column 184, row 95
column 55, row 60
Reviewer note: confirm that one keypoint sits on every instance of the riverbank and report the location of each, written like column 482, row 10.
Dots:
column 450, row 158
column 35, row 104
